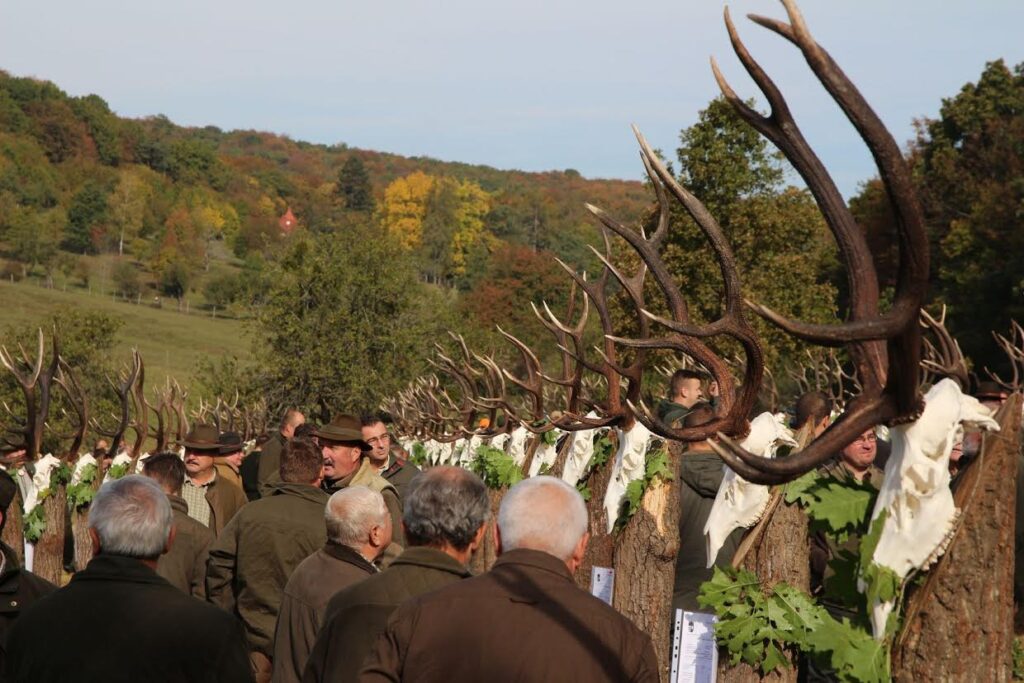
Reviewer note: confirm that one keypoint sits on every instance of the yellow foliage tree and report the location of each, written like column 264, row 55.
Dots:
column 474, row 204
column 405, row 206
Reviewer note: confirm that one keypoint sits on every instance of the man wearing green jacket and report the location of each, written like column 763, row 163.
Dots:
column 251, row 560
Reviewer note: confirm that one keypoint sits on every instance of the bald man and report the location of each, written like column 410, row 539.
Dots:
column 525, row 619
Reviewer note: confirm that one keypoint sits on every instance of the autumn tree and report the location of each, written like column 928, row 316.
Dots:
column 86, row 216
column 127, row 206
column 344, row 322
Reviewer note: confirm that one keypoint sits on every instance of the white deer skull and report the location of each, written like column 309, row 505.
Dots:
column 517, row 445
column 580, row 453
column 629, row 464
column 915, row 492
column 738, row 502
column 545, row 454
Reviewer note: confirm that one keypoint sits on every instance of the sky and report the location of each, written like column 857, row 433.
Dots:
column 531, row 85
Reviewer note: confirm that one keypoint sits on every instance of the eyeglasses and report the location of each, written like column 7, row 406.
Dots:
column 866, row 438
column 383, row 438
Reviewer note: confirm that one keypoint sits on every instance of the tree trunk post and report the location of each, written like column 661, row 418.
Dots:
column 14, row 530
column 959, row 624
column 48, row 557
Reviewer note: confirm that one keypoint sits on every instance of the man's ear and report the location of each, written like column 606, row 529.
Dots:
column 170, row 539
column 497, row 539
column 95, row 538
column 578, row 553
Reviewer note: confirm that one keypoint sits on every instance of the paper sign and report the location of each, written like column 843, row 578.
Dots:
column 694, row 653
column 602, row 583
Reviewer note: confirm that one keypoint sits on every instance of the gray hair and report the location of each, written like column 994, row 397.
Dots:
column 132, row 517
column 445, row 505
column 351, row 513
column 542, row 513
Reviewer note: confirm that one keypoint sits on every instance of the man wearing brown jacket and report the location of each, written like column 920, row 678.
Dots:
column 525, row 620
column 184, row 565
column 358, row 531
column 251, row 560
column 211, row 500
column 445, row 515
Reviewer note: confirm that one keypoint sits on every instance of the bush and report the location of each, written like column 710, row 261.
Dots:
column 126, row 279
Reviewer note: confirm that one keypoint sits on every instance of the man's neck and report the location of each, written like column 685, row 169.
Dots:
column 203, row 478
column 855, row 472
column 381, row 464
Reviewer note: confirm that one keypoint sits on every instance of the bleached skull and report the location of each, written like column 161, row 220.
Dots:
column 545, row 454
column 740, row 503
column 580, row 453
column 83, row 461
column 469, row 452
column 33, row 486
column 499, row 440
column 517, row 445
column 915, row 492
column 630, row 461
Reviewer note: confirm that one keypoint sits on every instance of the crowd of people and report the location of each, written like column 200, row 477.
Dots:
column 325, row 555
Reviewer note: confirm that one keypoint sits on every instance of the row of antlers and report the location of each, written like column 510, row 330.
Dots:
column 885, row 348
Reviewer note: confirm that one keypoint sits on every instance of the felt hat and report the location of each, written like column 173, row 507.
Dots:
column 345, row 429
column 989, row 389
column 202, row 437
column 230, row 442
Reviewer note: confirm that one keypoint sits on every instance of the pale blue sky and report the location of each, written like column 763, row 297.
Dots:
column 529, row 85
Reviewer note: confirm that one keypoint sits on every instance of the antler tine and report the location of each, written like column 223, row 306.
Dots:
column 946, row 358
column 68, row 382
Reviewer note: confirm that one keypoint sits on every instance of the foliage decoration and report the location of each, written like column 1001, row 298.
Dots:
column 656, row 466
column 80, row 495
column 496, row 467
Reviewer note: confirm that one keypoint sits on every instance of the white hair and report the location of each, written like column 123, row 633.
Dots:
column 132, row 517
column 351, row 513
column 542, row 513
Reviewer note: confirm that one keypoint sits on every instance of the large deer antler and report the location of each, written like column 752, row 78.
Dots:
column 888, row 371
column 686, row 337
column 35, row 382
column 65, row 378
column 943, row 358
column 122, row 389
column 1013, row 347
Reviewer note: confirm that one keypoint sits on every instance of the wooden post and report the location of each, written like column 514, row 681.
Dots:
column 959, row 624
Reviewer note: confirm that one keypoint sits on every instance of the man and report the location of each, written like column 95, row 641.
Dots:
column 184, row 565
column 358, row 531
column 701, row 473
column 813, row 412
column 270, row 455
column 249, row 470
column 251, row 560
column 341, row 442
column 855, row 463
column 229, row 462
column 445, row 515
column 117, row 620
column 212, row 500
column 19, row 588
column 685, row 390
column 526, row 619
column 398, row 472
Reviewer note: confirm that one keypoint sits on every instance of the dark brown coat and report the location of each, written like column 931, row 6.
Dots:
column 358, row 614
column 184, row 567
column 270, row 463
column 225, row 499
column 314, row 582
column 118, row 622
column 250, row 562
column 400, row 473
column 19, row 588
column 525, row 620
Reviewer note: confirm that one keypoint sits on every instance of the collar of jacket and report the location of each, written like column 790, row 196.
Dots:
column 346, row 554
column 362, row 477
column 393, row 468
column 177, row 503
column 305, row 491
column 424, row 556
column 534, row 558
column 104, row 567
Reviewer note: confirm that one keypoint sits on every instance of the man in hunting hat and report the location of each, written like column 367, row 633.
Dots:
column 211, row 500
column 345, row 464
column 232, row 453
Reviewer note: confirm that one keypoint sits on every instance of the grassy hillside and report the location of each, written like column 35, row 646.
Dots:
column 171, row 343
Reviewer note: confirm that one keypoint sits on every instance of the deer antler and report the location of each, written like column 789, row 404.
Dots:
column 122, row 389
column 65, row 378
column 35, row 383
column 889, row 372
column 946, row 359
column 1013, row 347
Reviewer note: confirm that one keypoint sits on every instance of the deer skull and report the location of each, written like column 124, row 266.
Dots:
column 629, row 464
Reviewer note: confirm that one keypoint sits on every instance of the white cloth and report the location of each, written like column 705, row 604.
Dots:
column 580, row 453
column 629, row 465
column 83, row 461
column 915, row 491
column 546, row 453
column 740, row 503
column 517, row 445
column 499, row 440
column 33, row 487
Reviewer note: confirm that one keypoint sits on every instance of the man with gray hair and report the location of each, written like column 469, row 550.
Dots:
column 445, row 515
column 358, row 531
column 121, row 593
column 525, row 620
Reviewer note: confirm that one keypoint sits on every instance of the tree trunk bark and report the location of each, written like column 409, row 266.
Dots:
column 959, row 624
column 48, row 557
column 14, row 530
column 645, row 561
column 484, row 556
column 600, row 550
column 83, row 542
column 780, row 555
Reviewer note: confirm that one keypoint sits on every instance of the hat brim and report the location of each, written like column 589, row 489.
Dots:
column 202, row 446
column 343, row 436
column 229, row 449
